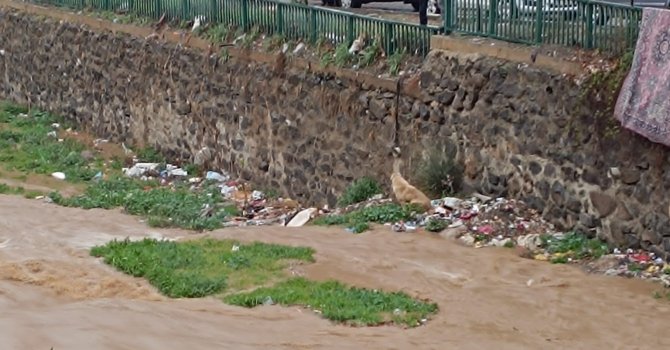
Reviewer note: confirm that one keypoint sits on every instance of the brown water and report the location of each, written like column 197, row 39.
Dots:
column 52, row 294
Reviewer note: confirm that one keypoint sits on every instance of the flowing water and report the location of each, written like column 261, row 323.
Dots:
column 53, row 294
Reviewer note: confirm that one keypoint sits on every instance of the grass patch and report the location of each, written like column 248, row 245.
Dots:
column 6, row 189
column 574, row 246
column 27, row 144
column 358, row 220
column 176, row 206
column 359, row 191
column 198, row 268
column 341, row 303
column 203, row 267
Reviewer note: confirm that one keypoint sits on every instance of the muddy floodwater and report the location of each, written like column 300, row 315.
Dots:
column 53, row 294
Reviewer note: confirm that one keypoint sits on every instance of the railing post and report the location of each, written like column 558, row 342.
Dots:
column 589, row 25
column 350, row 29
column 493, row 16
column 280, row 18
column 312, row 23
column 245, row 15
column 213, row 12
column 388, row 38
column 105, row 5
column 539, row 23
column 157, row 4
column 448, row 15
column 184, row 10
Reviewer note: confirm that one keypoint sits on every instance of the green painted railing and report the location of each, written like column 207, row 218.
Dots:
column 290, row 20
column 588, row 24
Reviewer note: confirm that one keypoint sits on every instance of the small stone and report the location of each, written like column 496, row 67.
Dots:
column 630, row 176
column 87, row 155
column 615, row 172
column 467, row 239
column 603, row 203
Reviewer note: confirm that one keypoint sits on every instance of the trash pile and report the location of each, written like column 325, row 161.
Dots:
column 254, row 206
column 633, row 263
column 481, row 220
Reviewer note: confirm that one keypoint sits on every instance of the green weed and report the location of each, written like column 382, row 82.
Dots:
column 436, row 225
column 162, row 206
column 359, row 191
column 575, row 246
column 198, row 268
column 395, row 62
column 439, row 174
column 358, row 220
column 341, row 303
column 26, row 146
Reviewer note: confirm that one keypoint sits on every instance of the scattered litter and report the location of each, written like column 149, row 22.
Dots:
column 59, row 175
column 301, row 218
column 215, row 176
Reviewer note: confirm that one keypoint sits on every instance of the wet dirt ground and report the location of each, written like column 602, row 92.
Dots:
column 53, row 294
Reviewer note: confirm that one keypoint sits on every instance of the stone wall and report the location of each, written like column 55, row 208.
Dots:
column 520, row 132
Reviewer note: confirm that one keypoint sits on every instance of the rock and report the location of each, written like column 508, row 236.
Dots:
column 203, row 156
column 630, row 176
column 603, row 203
column 301, row 218
column 501, row 242
column 467, row 239
column 588, row 221
column 651, row 236
column 615, row 172
column 87, row 155
column 59, row 175
column 453, row 233
column 534, row 167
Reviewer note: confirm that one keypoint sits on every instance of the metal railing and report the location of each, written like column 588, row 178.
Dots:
column 612, row 28
column 289, row 20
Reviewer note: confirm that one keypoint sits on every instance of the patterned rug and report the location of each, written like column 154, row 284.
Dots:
column 644, row 101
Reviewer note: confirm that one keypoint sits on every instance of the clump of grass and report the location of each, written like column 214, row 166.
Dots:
column 162, row 206
column 662, row 295
column 436, row 225
column 198, row 268
column 574, row 246
column 6, row 189
column 217, row 33
column 358, row 220
column 395, row 62
column 439, row 174
column 340, row 303
column 359, row 191
column 26, row 146
column 150, row 155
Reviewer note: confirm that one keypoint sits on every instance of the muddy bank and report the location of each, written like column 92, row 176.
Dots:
column 483, row 293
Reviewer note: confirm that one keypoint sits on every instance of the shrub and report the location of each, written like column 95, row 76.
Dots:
column 359, row 191
column 439, row 174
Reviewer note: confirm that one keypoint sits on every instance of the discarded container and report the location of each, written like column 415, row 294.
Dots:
column 213, row 175
column 59, row 175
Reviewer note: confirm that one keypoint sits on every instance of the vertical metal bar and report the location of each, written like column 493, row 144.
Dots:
column 539, row 24
column 589, row 25
column 493, row 16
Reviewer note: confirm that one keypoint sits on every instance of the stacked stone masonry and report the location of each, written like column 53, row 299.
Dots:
column 521, row 132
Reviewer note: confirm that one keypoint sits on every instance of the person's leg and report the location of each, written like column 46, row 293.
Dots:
column 423, row 12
